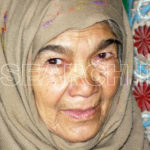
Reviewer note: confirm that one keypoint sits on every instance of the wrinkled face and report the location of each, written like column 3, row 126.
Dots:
column 74, row 78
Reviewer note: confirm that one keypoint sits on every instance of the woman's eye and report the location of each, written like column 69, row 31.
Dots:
column 55, row 61
column 104, row 55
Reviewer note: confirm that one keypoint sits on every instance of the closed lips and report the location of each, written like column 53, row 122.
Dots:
column 80, row 114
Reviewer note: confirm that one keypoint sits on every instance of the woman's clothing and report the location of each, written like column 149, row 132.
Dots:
column 26, row 26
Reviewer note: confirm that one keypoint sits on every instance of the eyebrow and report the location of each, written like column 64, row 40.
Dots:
column 57, row 49
column 63, row 50
column 105, row 43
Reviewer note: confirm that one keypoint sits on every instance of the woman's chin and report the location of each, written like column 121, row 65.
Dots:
column 81, row 133
column 77, row 139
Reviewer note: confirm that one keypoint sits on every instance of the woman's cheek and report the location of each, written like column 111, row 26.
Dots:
column 113, row 80
column 46, row 84
column 112, row 74
column 51, row 77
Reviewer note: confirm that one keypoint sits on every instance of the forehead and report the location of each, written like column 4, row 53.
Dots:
column 98, row 30
column 82, row 42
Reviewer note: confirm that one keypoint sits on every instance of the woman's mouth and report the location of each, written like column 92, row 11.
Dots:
column 81, row 114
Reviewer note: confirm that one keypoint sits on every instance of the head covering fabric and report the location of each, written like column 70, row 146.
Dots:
column 25, row 27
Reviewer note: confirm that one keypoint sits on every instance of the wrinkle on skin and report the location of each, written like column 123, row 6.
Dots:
column 76, row 82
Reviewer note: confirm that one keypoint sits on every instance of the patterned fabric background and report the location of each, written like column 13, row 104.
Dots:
column 139, row 18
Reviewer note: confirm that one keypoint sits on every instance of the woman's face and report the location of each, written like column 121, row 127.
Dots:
column 74, row 78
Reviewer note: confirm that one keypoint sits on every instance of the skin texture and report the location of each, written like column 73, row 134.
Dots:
column 78, row 76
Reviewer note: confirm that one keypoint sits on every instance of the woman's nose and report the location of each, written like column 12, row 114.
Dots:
column 82, row 85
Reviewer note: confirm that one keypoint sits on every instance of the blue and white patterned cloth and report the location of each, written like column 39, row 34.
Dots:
column 139, row 18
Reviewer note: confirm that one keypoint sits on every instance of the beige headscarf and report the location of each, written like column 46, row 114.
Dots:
column 25, row 26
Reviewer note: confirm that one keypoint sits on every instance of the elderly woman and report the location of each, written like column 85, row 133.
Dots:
column 66, row 70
